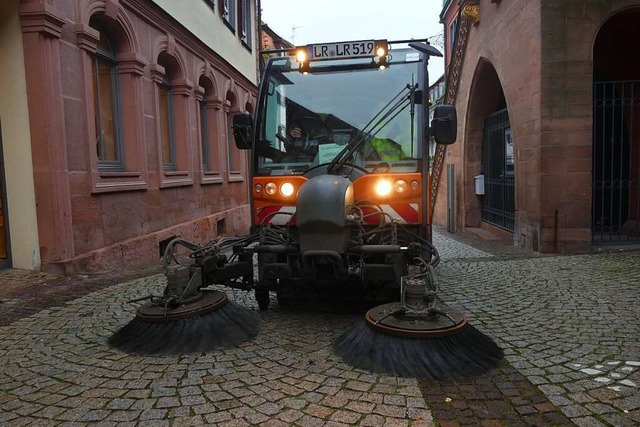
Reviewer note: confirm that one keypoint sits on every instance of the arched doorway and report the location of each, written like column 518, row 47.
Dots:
column 616, row 130
column 490, row 152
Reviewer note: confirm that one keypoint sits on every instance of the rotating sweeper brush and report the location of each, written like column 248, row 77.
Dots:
column 187, row 318
column 418, row 337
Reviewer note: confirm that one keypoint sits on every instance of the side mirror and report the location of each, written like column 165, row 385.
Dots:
column 243, row 130
column 444, row 126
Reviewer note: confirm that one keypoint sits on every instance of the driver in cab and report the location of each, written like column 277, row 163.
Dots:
column 293, row 142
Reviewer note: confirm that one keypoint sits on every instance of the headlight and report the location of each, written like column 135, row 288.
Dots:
column 301, row 55
column 400, row 186
column 415, row 185
column 383, row 187
column 286, row 189
column 270, row 188
column 258, row 188
column 381, row 51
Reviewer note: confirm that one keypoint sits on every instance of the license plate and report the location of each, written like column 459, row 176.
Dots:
column 342, row 50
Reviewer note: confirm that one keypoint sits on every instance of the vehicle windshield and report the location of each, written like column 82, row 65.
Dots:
column 308, row 120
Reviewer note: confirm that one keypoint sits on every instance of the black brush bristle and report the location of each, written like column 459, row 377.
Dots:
column 226, row 327
column 466, row 353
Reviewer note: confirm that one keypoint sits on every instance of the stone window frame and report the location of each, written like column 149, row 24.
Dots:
column 108, row 57
column 130, row 75
column 166, row 88
column 180, row 174
column 211, row 155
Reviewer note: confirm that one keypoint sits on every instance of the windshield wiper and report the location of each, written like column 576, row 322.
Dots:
column 386, row 114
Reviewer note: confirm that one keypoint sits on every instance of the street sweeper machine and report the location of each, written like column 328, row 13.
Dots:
column 340, row 207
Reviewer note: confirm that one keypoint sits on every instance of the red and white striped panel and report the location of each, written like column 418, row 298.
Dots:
column 405, row 213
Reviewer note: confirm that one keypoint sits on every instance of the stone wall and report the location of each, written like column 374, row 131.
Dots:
column 540, row 54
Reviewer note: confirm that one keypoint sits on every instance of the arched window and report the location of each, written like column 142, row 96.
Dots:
column 233, row 155
column 106, row 101
column 173, row 97
column 113, row 89
column 208, row 109
column 166, row 122
column 204, row 136
column 209, row 114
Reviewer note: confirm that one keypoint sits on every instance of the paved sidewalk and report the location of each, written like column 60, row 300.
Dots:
column 569, row 326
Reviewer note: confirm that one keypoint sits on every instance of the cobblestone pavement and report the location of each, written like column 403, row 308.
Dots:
column 569, row 326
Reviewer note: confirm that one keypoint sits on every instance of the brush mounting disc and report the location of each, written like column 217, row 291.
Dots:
column 210, row 301
column 391, row 320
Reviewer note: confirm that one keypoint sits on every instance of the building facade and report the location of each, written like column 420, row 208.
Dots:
column 548, row 102
column 116, row 127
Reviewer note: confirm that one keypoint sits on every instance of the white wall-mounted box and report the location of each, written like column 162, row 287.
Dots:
column 479, row 184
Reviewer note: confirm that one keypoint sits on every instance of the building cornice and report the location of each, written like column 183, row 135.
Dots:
column 41, row 18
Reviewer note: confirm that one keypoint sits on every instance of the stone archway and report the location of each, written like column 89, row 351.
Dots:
column 486, row 99
column 616, row 130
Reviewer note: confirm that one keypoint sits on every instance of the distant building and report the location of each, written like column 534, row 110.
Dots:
column 272, row 41
column 548, row 113
column 115, row 127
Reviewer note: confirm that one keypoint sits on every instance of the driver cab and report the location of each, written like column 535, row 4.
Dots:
column 356, row 111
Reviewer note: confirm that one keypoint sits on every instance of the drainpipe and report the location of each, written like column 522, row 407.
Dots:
column 258, row 43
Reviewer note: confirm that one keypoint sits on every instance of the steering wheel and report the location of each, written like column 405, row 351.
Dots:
column 351, row 171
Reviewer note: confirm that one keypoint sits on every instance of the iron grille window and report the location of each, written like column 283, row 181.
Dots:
column 106, row 104
column 166, row 125
column 616, row 161
column 498, row 203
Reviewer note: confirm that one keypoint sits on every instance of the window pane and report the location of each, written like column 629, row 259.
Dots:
column 204, row 132
column 230, row 144
column 105, row 110
column 165, row 125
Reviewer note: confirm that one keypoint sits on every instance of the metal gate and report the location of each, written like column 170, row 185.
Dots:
column 5, row 249
column 498, row 203
column 616, row 162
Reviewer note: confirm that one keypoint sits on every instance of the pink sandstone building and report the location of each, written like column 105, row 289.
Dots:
column 548, row 101
column 115, row 121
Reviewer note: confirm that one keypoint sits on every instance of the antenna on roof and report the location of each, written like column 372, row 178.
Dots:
column 293, row 33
